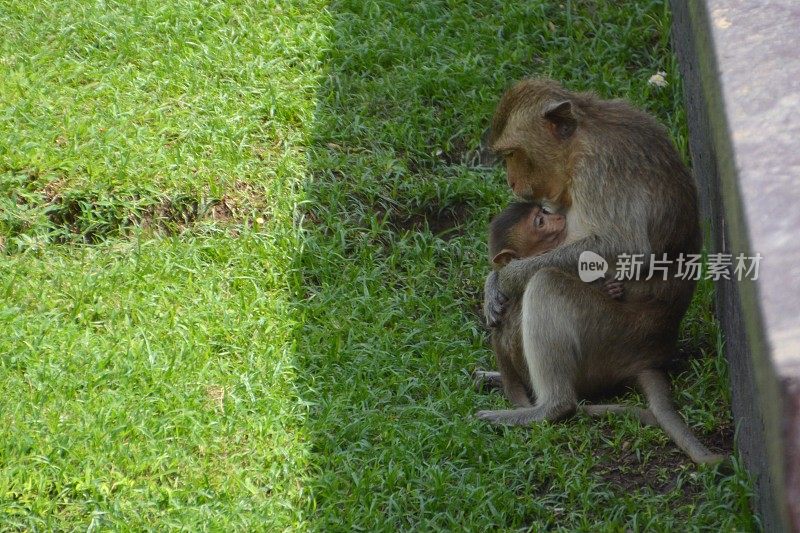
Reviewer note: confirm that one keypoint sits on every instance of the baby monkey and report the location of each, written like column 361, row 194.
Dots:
column 522, row 230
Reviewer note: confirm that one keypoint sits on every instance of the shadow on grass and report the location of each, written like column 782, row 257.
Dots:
column 394, row 256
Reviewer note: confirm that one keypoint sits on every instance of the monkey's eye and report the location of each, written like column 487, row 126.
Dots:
column 546, row 210
column 538, row 221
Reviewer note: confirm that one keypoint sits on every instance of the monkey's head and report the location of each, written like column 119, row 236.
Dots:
column 523, row 229
column 534, row 129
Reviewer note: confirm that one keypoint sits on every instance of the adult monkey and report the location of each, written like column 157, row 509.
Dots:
column 523, row 229
column 615, row 173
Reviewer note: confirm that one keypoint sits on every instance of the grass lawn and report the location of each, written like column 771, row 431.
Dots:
column 243, row 246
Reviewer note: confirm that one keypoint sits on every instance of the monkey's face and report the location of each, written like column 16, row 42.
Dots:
column 534, row 234
column 539, row 232
column 521, row 174
column 539, row 170
column 533, row 130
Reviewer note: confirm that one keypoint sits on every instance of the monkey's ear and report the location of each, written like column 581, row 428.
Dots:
column 503, row 257
column 561, row 119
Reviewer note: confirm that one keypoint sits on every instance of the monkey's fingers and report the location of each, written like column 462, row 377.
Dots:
column 493, row 301
column 614, row 288
column 495, row 308
column 495, row 317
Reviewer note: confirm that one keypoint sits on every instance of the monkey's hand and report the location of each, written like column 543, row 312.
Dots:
column 614, row 288
column 493, row 301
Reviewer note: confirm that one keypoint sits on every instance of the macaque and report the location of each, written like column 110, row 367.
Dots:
column 524, row 229
column 613, row 172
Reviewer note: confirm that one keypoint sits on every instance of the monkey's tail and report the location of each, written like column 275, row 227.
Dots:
column 656, row 388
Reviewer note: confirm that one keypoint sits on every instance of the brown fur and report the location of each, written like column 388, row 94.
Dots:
column 614, row 172
column 512, row 236
column 524, row 229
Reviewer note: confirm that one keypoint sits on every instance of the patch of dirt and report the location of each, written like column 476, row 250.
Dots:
column 688, row 349
column 52, row 191
column 216, row 396
column 170, row 214
column 221, row 209
column 444, row 221
column 720, row 441
column 626, row 472
column 93, row 215
column 460, row 154
column 623, row 469
column 86, row 215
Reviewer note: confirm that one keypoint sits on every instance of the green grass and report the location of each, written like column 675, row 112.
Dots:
column 242, row 260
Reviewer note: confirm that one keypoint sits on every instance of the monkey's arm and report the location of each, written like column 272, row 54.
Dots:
column 513, row 278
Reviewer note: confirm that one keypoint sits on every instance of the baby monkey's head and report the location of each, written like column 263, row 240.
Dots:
column 523, row 229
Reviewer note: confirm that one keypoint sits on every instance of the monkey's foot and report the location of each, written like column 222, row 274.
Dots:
column 645, row 416
column 524, row 416
column 486, row 380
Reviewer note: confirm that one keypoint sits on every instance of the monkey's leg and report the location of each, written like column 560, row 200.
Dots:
column 645, row 416
column 515, row 391
column 552, row 309
column 513, row 383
